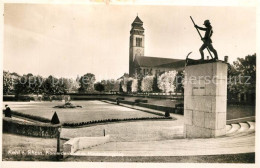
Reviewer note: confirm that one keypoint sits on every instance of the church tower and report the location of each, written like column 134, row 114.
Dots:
column 136, row 47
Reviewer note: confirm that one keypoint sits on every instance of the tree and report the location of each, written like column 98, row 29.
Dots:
column 110, row 85
column 155, row 84
column 166, row 81
column 147, row 84
column 129, row 85
column 178, row 83
column 139, row 83
column 120, row 87
column 126, row 83
column 51, row 85
column 242, row 76
column 22, row 85
column 7, row 82
column 99, row 87
column 86, row 83
column 74, row 86
column 134, row 85
column 63, row 85
column 37, row 85
column 117, row 86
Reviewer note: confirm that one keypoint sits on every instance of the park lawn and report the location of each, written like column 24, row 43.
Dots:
column 230, row 158
column 97, row 110
column 91, row 110
column 18, row 147
column 233, row 111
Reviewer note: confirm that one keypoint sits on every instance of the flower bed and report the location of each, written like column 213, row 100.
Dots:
column 67, row 105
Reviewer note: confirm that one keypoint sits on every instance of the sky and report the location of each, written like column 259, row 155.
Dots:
column 69, row 40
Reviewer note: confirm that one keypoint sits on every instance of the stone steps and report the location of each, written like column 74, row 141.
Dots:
column 240, row 129
column 176, row 147
column 235, row 128
column 240, row 138
column 228, row 128
column 243, row 127
column 252, row 125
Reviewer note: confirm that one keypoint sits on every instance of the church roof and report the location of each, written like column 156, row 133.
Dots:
column 177, row 64
column 144, row 61
column 137, row 20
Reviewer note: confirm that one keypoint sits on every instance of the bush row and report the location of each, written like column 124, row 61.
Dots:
column 141, row 101
column 120, row 98
column 37, row 118
column 30, row 129
column 111, row 120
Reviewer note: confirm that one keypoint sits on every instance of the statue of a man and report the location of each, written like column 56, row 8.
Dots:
column 207, row 42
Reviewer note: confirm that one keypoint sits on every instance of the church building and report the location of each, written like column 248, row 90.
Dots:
column 144, row 65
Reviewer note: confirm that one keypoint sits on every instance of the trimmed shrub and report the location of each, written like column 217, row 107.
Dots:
column 112, row 120
column 167, row 114
column 30, row 129
column 141, row 101
column 120, row 98
column 179, row 108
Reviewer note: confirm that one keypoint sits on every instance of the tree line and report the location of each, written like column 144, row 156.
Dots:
column 241, row 76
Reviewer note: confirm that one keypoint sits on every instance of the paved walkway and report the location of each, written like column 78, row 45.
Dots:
column 241, row 142
column 178, row 147
column 168, row 139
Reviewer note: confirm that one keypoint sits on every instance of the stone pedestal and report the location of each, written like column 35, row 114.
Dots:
column 205, row 100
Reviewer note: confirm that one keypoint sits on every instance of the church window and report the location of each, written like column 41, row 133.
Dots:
column 139, row 42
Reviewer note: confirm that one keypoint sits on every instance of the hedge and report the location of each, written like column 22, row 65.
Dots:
column 141, row 101
column 111, row 120
column 120, row 98
column 30, row 129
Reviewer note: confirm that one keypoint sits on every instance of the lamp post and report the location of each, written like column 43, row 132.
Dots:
column 58, row 143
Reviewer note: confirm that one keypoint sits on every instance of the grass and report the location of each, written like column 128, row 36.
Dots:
column 95, row 110
column 233, row 111
column 91, row 110
column 232, row 158
column 28, row 148
column 33, row 147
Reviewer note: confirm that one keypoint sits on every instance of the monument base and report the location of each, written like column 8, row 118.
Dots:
column 205, row 95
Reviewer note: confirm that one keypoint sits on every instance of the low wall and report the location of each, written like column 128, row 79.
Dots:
column 80, row 143
column 30, row 129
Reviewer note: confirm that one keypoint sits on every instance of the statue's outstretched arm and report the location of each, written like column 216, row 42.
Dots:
column 201, row 28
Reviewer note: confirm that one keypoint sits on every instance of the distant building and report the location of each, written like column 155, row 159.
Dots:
column 144, row 65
